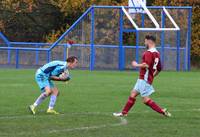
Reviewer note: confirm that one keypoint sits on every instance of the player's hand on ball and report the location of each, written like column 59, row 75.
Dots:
column 134, row 64
column 65, row 76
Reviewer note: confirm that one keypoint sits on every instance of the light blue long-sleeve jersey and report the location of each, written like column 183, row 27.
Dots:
column 54, row 68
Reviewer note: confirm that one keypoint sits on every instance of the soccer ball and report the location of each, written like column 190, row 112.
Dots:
column 64, row 75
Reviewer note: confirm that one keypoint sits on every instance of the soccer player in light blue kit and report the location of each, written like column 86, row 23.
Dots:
column 46, row 75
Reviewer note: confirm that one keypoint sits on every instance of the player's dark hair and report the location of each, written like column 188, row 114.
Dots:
column 71, row 59
column 150, row 37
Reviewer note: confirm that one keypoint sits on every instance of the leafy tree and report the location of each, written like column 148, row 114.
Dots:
column 28, row 20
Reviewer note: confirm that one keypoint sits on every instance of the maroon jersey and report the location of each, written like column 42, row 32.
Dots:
column 152, row 58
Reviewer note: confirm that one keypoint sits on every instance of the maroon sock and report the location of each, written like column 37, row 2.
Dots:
column 129, row 104
column 154, row 106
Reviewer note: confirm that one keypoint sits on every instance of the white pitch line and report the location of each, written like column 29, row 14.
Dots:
column 122, row 122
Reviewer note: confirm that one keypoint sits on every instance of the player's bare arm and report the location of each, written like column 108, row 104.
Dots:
column 136, row 65
column 156, row 73
column 55, row 78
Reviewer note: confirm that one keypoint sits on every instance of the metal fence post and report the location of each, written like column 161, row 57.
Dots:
column 9, row 56
column 189, row 38
column 65, row 52
column 143, row 17
column 185, row 59
column 92, row 48
column 48, row 55
column 137, row 46
column 178, row 50
column 121, row 50
column 37, row 55
column 17, row 59
column 163, row 38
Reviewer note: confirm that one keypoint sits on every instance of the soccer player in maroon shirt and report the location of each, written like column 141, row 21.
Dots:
column 149, row 68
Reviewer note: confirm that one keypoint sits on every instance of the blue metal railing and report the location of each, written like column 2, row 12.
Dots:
column 37, row 49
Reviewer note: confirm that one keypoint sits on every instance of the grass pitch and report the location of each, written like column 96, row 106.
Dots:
column 90, row 98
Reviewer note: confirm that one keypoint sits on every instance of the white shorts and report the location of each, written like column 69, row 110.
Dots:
column 144, row 88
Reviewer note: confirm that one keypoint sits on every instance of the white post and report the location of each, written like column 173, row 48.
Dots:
column 149, row 13
column 129, row 17
column 171, row 19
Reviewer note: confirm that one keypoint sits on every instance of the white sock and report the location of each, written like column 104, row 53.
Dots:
column 52, row 101
column 40, row 99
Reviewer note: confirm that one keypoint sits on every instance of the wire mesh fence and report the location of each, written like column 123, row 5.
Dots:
column 105, row 39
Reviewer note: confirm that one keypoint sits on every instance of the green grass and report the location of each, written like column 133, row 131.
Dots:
column 88, row 101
